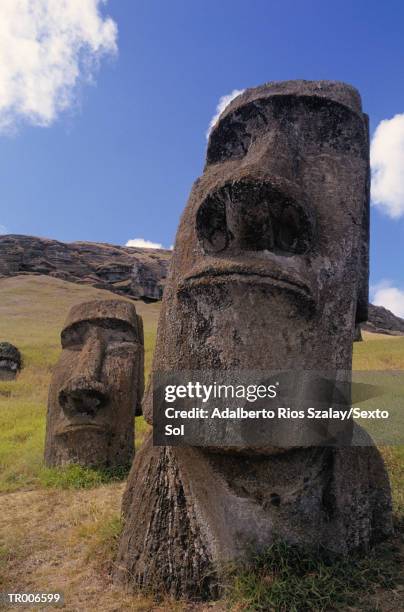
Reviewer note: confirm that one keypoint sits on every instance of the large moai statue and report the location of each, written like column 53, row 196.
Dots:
column 269, row 272
column 97, row 386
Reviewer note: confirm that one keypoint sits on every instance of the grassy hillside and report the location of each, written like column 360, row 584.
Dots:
column 379, row 352
column 55, row 534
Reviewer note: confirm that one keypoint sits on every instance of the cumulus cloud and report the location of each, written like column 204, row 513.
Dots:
column 47, row 48
column 387, row 162
column 385, row 294
column 141, row 243
column 3, row 229
column 223, row 102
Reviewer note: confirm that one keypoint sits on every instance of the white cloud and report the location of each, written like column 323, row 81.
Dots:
column 223, row 102
column 141, row 243
column 387, row 162
column 384, row 294
column 3, row 230
column 47, row 47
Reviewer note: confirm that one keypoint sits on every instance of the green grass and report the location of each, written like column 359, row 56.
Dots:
column 32, row 312
column 289, row 579
column 78, row 477
column 379, row 352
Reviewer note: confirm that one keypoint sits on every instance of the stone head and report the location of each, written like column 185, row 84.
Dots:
column 10, row 361
column 270, row 265
column 97, row 386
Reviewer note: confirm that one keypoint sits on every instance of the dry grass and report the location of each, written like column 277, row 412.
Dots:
column 70, row 552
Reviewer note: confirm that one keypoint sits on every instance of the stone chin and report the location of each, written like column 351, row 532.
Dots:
column 88, row 444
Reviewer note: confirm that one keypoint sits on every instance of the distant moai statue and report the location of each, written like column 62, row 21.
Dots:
column 97, row 386
column 269, row 272
column 357, row 333
column 10, row 361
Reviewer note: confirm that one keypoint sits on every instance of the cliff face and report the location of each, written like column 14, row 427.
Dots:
column 383, row 321
column 136, row 273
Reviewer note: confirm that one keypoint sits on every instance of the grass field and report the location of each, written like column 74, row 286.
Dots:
column 58, row 528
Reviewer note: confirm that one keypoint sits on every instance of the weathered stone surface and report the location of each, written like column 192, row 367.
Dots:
column 189, row 513
column 137, row 273
column 10, row 361
column 274, row 228
column 383, row 321
column 269, row 271
column 97, row 386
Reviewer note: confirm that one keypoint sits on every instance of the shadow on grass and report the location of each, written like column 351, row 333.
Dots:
column 290, row 579
column 78, row 477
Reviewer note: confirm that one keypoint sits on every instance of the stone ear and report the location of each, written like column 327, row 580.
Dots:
column 363, row 288
column 138, row 406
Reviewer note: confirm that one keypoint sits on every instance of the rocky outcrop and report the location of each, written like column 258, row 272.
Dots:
column 136, row 273
column 383, row 321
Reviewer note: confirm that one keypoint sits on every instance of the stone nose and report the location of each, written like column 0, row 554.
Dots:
column 84, row 394
column 255, row 214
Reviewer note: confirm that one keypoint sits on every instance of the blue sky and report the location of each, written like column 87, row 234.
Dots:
column 117, row 157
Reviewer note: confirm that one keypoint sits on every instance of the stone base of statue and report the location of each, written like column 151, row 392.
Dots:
column 189, row 512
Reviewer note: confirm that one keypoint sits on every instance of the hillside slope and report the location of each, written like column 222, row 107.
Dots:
column 137, row 273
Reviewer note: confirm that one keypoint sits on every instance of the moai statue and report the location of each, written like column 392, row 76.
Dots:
column 10, row 361
column 97, row 386
column 269, row 272
column 357, row 333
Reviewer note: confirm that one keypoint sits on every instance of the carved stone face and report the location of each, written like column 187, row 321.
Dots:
column 97, row 386
column 270, row 266
column 10, row 361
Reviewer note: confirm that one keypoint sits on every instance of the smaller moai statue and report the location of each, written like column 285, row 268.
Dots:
column 357, row 333
column 10, row 361
column 97, row 386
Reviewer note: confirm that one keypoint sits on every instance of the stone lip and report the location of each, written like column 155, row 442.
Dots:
column 135, row 273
